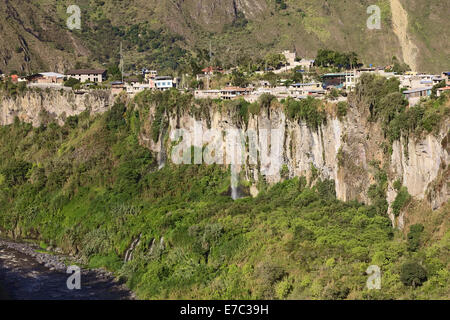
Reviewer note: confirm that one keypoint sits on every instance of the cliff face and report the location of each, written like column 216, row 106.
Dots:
column 344, row 150
column 348, row 151
column 37, row 107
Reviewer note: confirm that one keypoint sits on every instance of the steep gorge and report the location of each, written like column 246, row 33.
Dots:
column 347, row 150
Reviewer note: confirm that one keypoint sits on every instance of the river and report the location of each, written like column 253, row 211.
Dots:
column 26, row 274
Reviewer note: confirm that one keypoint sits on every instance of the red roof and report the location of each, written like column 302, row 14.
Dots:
column 212, row 69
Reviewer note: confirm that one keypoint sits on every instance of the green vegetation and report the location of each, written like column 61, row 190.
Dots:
column 342, row 108
column 73, row 83
column 398, row 67
column 386, row 104
column 377, row 191
column 413, row 274
column 90, row 188
column 168, row 37
column 330, row 58
column 402, row 198
column 11, row 89
column 414, row 235
column 310, row 110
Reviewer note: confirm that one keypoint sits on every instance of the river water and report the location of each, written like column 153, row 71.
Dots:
column 26, row 274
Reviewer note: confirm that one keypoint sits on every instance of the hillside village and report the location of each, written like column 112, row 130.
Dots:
column 290, row 76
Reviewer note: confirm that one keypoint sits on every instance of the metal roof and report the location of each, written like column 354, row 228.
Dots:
column 418, row 90
column 52, row 74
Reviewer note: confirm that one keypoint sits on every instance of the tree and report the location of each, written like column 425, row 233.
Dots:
column 71, row 82
column 297, row 76
column 414, row 235
column 413, row 274
column 441, row 84
column 16, row 172
column 238, row 79
column 114, row 73
column 275, row 60
column 272, row 78
column 328, row 58
column 399, row 67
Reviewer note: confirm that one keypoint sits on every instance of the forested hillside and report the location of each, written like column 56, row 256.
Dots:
column 91, row 188
column 176, row 35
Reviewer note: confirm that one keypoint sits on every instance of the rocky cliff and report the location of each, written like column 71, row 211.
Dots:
column 349, row 151
column 37, row 107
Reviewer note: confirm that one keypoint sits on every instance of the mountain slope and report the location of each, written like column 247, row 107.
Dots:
column 236, row 29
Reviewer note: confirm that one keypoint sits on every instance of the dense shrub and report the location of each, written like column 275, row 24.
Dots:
column 400, row 201
column 413, row 274
column 309, row 110
column 92, row 189
column 414, row 235
column 342, row 108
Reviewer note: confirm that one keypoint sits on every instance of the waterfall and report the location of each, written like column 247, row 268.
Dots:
column 162, row 156
column 129, row 252
column 235, row 182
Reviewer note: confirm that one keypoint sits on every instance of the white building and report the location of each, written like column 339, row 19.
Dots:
column 162, row 83
column 290, row 57
column 306, row 64
column 136, row 87
column 92, row 75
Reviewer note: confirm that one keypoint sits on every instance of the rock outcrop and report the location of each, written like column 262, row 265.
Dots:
column 344, row 150
column 348, row 151
column 38, row 106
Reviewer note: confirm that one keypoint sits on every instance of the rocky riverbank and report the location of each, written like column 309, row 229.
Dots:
column 26, row 274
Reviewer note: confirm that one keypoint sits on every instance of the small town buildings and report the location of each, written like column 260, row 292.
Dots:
column 162, row 83
column 414, row 95
column 437, row 80
column 229, row 93
column 336, row 80
column 47, row 78
column 136, row 87
column 290, row 56
column 92, row 75
column 208, row 72
column 302, row 90
column 211, row 70
column 306, row 64
column 150, row 74
column 117, row 87
column 418, row 80
column 306, row 86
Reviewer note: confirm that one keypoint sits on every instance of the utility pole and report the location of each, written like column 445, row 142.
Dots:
column 121, row 60
column 210, row 66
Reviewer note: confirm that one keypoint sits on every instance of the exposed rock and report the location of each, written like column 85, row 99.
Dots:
column 37, row 107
